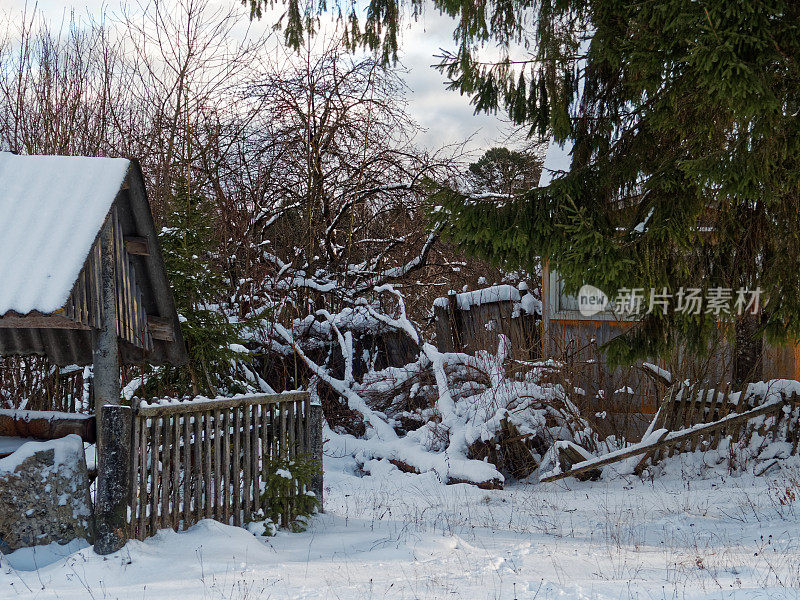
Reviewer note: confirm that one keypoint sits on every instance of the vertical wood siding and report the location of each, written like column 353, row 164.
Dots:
column 83, row 305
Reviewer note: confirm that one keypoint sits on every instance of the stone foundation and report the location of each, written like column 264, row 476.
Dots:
column 44, row 494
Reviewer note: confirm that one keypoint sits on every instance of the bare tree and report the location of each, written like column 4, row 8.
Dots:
column 341, row 210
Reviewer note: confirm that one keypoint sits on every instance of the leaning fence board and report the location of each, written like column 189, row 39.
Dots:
column 723, row 411
column 209, row 458
column 793, row 434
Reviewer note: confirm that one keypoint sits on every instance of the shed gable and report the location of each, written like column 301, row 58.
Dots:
column 53, row 307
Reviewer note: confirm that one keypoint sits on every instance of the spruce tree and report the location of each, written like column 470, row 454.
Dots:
column 682, row 121
column 189, row 242
column 685, row 168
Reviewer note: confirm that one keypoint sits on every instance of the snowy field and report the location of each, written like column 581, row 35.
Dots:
column 394, row 535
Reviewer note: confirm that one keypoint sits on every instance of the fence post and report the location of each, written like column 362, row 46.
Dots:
column 315, row 447
column 113, row 478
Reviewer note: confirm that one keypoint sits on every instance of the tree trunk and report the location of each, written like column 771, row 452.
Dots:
column 747, row 351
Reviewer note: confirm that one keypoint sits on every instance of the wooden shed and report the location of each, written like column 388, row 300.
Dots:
column 82, row 281
column 52, row 212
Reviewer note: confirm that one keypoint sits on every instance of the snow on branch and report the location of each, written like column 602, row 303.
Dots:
column 381, row 428
column 398, row 272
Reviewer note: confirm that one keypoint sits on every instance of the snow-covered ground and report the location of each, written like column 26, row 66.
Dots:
column 395, row 535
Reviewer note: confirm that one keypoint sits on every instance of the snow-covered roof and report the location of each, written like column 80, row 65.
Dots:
column 51, row 211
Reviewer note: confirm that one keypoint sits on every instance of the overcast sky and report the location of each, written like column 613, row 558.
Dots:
column 445, row 116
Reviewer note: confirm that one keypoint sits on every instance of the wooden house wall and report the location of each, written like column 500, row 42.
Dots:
column 577, row 340
column 621, row 392
column 577, row 343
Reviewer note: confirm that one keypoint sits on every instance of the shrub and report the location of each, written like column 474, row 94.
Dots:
column 283, row 505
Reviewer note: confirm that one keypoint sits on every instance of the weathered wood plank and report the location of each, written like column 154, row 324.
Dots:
column 144, row 497
column 722, row 412
column 161, row 328
column 226, row 463
column 677, row 418
column 236, row 467
column 46, row 425
column 175, row 509
column 135, row 458
column 166, row 474
column 263, row 455
column 187, row 473
column 138, row 246
column 155, row 468
column 39, row 321
column 208, row 483
column 151, row 410
column 197, row 467
column 648, row 456
column 664, row 414
column 255, row 445
column 691, row 419
column 290, row 442
column 247, row 479
column 218, row 483
column 307, row 422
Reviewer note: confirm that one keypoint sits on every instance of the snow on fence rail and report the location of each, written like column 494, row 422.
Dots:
column 203, row 459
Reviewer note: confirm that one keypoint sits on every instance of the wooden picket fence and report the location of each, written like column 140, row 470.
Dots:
column 699, row 417
column 44, row 386
column 208, row 458
column 687, row 407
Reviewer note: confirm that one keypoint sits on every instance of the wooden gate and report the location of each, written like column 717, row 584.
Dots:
column 199, row 459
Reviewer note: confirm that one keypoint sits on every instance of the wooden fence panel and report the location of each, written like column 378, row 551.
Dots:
column 209, row 458
column 711, row 417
